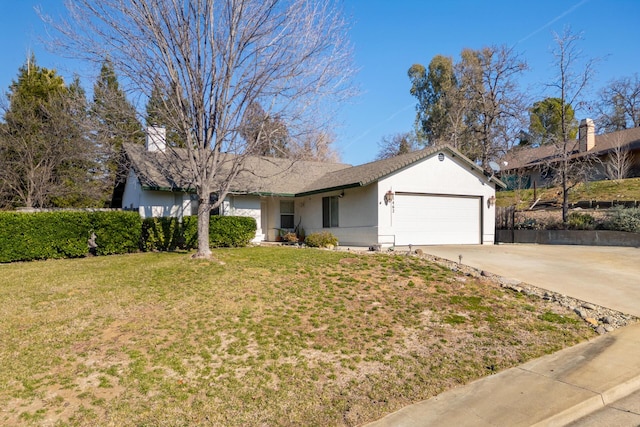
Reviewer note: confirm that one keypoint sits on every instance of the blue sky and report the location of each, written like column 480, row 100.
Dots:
column 390, row 36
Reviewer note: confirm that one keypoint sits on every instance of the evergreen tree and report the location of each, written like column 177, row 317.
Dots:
column 45, row 151
column 545, row 121
column 115, row 120
column 473, row 104
column 160, row 113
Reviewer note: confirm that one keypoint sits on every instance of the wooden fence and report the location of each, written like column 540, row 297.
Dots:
column 505, row 217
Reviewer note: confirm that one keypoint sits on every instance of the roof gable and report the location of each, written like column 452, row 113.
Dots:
column 362, row 175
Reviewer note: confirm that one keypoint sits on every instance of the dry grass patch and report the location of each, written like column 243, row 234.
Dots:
column 622, row 190
column 276, row 336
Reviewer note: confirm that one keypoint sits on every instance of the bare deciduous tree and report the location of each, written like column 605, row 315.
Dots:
column 620, row 104
column 573, row 74
column 315, row 146
column 496, row 107
column 394, row 145
column 214, row 58
column 618, row 162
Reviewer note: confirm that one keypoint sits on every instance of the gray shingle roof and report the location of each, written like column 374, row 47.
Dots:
column 265, row 175
column 519, row 158
column 261, row 175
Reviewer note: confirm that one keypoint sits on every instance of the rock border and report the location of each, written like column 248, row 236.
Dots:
column 601, row 319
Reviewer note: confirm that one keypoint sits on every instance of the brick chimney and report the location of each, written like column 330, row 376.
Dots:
column 586, row 135
column 156, row 139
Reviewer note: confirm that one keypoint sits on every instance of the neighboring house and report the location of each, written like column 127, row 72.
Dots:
column 529, row 167
column 432, row 196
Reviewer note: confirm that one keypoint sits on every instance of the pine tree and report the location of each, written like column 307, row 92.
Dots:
column 160, row 113
column 44, row 148
column 116, row 122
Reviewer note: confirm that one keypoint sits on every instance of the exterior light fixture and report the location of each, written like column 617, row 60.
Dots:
column 441, row 157
column 388, row 197
column 491, row 201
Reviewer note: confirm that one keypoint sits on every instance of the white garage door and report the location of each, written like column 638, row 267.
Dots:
column 436, row 220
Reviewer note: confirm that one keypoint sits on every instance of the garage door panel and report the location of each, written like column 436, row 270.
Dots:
column 436, row 220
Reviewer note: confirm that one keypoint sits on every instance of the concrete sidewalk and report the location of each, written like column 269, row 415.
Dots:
column 554, row 390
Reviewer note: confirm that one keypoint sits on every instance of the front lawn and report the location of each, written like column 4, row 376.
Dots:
column 276, row 336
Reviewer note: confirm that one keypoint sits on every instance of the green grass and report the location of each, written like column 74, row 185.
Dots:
column 626, row 189
column 276, row 336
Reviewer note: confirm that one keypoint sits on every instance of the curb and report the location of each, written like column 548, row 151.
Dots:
column 591, row 405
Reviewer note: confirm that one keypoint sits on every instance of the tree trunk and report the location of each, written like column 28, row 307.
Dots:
column 204, row 251
column 565, row 200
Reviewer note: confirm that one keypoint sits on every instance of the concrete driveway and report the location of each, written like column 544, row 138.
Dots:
column 604, row 275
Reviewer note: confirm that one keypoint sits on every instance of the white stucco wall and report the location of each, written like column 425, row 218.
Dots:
column 163, row 203
column 246, row 206
column 154, row 203
column 357, row 215
column 364, row 218
column 132, row 192
column 432, row 176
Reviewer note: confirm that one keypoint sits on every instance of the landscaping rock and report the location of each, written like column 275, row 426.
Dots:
column 591, row 321
column 583, row 314
column 587, row 311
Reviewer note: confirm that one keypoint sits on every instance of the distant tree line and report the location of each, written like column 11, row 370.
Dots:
column 60, row 150
column 477, row 105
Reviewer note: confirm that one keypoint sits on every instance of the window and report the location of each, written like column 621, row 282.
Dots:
column 213, row 198
column 286, row 213
column 330, row 211
column 194, row 204
column 178, row 202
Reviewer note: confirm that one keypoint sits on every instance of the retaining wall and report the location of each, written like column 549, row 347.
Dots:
column 569, row 237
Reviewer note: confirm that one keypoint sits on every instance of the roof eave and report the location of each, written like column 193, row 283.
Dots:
column 330, row 189
column 169, row 189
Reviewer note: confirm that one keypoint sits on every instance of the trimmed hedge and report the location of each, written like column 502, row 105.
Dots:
column 167, row 234
column 65, row 234
column 117, row 232
column 43, row 235
column 230, row 231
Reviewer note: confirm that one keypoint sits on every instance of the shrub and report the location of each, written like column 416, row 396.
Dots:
column 528, row 224
column 43, row 235
column 290, row 237
column 162, row 234
column 190, row 232
column 322, row 239
column 231, row 231
column 621, row 219
column 117, row 232
column 581, row 221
